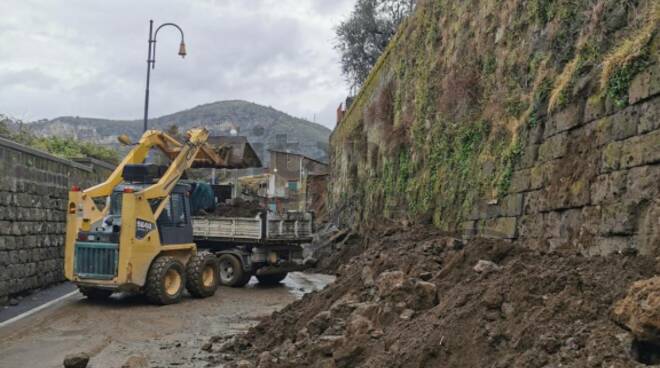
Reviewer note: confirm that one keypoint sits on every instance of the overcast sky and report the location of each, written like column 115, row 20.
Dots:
column 88, row 57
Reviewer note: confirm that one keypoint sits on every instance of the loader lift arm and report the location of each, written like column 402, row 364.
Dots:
column 192, row 153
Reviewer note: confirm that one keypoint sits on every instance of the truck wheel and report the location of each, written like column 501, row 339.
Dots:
column 231, row 271
column 202, row 275
column 271, row 279
column 94, row 293
column 165, row 281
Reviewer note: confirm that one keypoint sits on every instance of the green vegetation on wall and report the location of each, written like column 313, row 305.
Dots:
column 469, row 79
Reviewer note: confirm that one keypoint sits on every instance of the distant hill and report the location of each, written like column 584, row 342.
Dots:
column 265, row 127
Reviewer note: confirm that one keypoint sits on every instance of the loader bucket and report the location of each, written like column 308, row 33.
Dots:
column 235, row 152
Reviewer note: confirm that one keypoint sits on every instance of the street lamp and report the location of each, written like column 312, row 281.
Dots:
column 151, row 60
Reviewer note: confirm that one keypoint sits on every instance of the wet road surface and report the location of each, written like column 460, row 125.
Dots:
column 127, row 326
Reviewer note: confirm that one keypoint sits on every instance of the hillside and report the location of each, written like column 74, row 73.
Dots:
column 265, row 127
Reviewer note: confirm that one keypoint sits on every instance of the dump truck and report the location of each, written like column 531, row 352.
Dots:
column 135, row 232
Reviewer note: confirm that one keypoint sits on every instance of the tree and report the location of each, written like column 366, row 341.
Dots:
column 4, row 129
column 173, row 130
column 363, row 37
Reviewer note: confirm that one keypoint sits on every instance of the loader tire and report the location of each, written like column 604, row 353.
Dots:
column 271, row 279
column 202, row 275
column 94, row 293
column 165, row 281
column 232, row 272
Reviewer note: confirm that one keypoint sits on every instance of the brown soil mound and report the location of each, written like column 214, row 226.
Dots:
column 238, row 208
column 418, row 298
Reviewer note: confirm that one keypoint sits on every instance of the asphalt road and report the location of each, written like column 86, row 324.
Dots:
column 127, row 327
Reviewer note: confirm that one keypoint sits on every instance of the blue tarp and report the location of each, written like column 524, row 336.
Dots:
column 202, row 198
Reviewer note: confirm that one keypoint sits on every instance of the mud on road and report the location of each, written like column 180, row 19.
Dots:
column 128, row 327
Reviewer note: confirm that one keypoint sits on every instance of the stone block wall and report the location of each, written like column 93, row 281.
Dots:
column 495, row 131
column 33, row 199
column 588, row 180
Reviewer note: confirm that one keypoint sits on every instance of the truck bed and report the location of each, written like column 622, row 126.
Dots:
column 295, row 228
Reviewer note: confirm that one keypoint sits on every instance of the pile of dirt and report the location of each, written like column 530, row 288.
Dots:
column 332, row 248
column 419, row 298
column 238, row 208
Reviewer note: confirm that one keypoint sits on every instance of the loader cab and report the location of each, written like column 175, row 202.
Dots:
column 175, row 222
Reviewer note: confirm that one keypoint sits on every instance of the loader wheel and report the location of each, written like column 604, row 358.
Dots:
column 165, row 281
column 202, row 275
column 94, row 293
column 271, row 279
column 231, row 271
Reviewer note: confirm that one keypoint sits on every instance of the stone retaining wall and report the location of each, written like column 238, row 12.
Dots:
column 584, row 179
column 588, row 179
column 33, row 194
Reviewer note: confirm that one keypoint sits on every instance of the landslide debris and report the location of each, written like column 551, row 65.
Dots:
column 416, row 297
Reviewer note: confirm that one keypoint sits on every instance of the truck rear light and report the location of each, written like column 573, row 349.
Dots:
column 82, row 236
column 75, row 188
column 128, row 190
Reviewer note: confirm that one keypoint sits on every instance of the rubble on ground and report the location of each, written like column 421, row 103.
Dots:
column 639, row 311
column 414, row 298
column 330, row 248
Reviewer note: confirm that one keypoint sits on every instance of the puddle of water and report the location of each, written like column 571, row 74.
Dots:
column 300, row 283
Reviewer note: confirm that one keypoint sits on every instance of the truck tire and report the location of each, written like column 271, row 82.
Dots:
column 202, row 275
column 165, row 281
column 94, row 293
column 231, row 271
column 271, row 279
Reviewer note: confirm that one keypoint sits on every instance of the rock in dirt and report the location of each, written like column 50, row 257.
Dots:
column 639, row 311
column 266, row 360
column 390, row 282
column 407, row 314
column 244, row 364
column 319, row 323
column 426, row 295
column 137, row 361
column 79, row 360
column 358, row 325
column 456, row 244
column 486, row 267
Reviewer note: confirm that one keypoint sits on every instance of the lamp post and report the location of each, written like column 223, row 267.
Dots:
column 151, row 60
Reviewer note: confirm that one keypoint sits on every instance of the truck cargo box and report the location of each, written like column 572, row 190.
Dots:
column 293, row 227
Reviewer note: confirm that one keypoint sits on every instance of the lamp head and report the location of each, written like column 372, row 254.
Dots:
column 125, row 140
column 182, row 49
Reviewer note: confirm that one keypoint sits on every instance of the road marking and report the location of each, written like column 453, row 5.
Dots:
column 37, row 309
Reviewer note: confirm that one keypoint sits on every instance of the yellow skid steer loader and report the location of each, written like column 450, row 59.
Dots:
column 142, row 239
